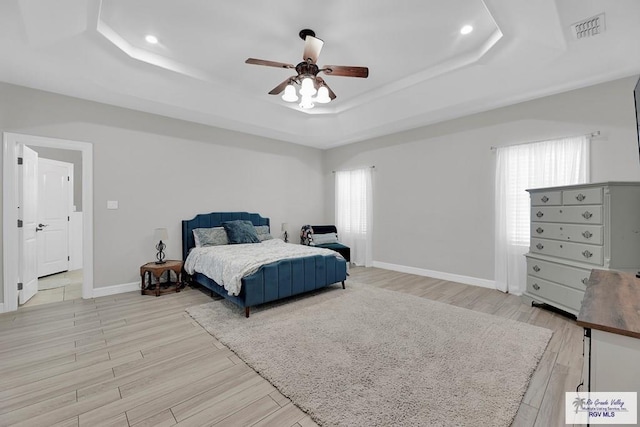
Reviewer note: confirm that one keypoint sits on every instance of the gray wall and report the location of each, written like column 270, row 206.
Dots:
column 433, row 197
column 162, row 170
column 434, row 186
column 69, row 156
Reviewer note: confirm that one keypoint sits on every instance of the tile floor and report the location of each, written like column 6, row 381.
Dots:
column 57, row 287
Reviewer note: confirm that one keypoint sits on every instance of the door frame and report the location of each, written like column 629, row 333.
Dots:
column 10, row 212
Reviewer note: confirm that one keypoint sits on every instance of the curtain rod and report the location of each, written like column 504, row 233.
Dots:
column 348, row 170
column 594, row 134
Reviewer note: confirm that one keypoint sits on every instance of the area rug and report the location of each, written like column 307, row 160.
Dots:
column 366, row 356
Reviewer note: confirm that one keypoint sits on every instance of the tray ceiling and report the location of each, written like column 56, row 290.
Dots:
column 422, row 69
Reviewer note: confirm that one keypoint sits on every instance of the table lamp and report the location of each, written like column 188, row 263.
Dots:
column 160, row 234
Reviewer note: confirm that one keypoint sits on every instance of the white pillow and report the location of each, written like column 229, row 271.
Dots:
column 323, row 239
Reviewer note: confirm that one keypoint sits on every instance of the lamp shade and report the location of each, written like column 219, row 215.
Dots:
column 308, row 87
column 284, row 227
column 160, row 234
column 290, row 94
column 306, row 102
column 323, row 95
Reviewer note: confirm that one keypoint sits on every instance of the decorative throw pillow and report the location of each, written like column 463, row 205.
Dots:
column 215, row 236
column 306, row 233
column 241, row 231
column 323, row 239
column 263, row 232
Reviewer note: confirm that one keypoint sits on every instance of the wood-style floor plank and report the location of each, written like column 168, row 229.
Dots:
column 129, row 359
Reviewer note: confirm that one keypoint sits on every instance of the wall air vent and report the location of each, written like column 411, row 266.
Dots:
column 588, row 27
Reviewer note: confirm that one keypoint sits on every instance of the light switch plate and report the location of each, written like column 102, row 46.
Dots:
column 112, row 204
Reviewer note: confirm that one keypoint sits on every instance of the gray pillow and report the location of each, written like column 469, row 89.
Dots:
column 263, row 232
column 210, row 236
column 323, row 239
column 240, row 231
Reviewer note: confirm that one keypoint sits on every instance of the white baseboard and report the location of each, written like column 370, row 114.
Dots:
column 116, row 289
column 474, row 281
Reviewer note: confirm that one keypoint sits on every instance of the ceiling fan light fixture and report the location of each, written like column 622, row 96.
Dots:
column 323, row 95
column 308, row 88
column 290, row 93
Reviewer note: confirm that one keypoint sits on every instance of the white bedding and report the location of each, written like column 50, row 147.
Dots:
column 228, row 264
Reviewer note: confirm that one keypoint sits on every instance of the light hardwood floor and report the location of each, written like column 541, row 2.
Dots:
column 138, row 360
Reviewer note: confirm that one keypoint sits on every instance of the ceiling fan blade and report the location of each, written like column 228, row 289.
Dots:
column 312, row 48
column 321, row 82
column 278, row 89
column 346, row 71
column 269, row 63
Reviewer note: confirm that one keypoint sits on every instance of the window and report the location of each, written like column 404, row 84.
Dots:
column 353, row 213
column 518, row 168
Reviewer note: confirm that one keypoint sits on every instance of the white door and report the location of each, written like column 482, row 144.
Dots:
column 28, row 206
column 53, row 216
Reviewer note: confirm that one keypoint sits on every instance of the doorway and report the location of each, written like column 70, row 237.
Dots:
column 13, row 257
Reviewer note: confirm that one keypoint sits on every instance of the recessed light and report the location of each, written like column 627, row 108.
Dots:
column 466, row 29
column 151, row 39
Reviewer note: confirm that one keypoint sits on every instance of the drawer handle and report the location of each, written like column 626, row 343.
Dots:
column 587, row 234
column 585, row 280
column 539, row 246
column 539, row 214
column 587, row 215
column 581, row 197
column 544, row 199
column 536, row 268
column 539, row 230
column 587, row 254
column 536, row 287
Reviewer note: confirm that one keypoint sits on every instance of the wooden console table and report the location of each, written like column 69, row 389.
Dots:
column 610, row 314
column 151, row 270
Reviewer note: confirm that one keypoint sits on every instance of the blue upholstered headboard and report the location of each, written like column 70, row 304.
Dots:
column 213, row 219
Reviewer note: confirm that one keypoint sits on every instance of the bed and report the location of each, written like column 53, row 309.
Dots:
column 272, row 281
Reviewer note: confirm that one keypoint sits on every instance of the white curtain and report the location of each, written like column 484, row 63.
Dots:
column 354, row 213
column 520, row 167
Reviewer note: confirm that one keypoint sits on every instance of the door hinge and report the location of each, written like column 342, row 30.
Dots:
column 19, row 223
column 68, row 258
column 19, row 160
column 68, row 218
column 19, row 286
column 68, row 179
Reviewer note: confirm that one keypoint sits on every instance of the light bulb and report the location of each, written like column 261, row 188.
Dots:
column 466, row 29
column 308, row 87
column 323, row 95
column 306, row 102
column 290, row 93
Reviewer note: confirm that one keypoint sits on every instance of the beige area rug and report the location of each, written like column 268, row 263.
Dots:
column 366, row 356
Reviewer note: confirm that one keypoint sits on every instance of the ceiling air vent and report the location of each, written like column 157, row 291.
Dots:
column 588, row 27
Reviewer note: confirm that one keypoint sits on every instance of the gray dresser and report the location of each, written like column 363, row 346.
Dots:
column 575, row 229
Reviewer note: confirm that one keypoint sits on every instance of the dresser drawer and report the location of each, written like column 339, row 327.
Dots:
column 546, row 198
column 592, row 234
column 568, row 297
column 590, row 214
column 585, row 196
column 576, row 278
column 591, row 254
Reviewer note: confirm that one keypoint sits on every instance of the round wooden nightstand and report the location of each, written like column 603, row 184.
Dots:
column 151, row 269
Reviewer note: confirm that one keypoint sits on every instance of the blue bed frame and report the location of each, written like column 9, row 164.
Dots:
column 273, row 281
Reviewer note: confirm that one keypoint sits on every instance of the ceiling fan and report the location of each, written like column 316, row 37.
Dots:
column 307, row 78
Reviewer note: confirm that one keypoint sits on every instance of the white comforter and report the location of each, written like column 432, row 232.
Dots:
column 228, row 264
